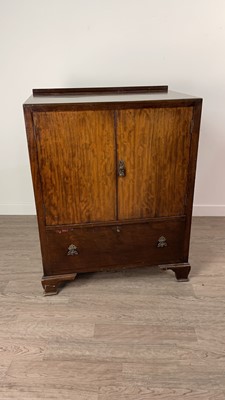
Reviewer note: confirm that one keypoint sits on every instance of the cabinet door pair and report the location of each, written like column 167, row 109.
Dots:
column 105, row 165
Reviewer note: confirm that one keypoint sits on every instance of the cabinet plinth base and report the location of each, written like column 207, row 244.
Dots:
column 181, row 270
column 51, row 283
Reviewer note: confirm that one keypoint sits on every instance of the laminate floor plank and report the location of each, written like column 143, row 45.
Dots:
column 140, row 392
column 28, row 292
column 135, row 281
column 21, row 349
column 4, row 366
column 196, row 313
column 143, row 334
column 125, row 352
column 36, row 329
column 102, row 313
column 84, row 375
column 126, row 335
column 197, row 374
column 3, row 286
column 210, row 289
column 16, row 392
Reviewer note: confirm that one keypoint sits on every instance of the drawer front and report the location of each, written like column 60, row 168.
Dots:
column 122, row 245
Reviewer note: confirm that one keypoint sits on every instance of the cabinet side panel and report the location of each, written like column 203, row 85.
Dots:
column 154, row 144
column 36, row 181
column 192, row 173
column 77, row 165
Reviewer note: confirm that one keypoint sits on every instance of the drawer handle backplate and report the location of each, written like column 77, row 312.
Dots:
column 162, row 242
column 72, row 250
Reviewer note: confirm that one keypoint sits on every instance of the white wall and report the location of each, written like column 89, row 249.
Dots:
column 56, row 43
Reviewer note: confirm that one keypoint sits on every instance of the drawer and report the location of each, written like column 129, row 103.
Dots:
column 122, row 245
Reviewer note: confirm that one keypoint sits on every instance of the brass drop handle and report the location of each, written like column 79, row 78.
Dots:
column 72, row 250
column 162, row 242
column 121, row 169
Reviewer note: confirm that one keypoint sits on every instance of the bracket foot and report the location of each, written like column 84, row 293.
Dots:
column 51, row 283
column 181, row 270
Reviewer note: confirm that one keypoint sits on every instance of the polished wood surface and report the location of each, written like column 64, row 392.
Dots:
column 155, row 146
column 107, row 159
column 106, row 97
column 127, row 335
column 77, row 166
column 117, row 246
column 100, row 90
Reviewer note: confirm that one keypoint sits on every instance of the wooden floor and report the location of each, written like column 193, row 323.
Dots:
column 130, row 335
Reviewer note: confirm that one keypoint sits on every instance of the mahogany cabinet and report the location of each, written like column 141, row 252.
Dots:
column 113, row 172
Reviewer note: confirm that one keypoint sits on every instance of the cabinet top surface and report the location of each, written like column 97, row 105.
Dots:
column 105, row 95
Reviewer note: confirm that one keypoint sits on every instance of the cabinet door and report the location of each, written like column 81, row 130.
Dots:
column 154, row 144
column 76, row 155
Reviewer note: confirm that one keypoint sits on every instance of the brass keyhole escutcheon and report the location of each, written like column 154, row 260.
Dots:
column 121, row 169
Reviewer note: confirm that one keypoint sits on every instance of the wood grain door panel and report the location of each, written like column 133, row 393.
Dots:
column 76, row 155
column 154, row 144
